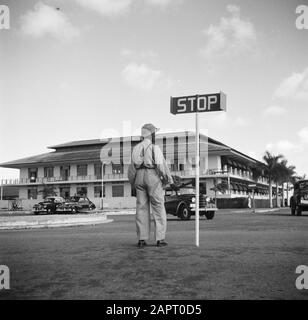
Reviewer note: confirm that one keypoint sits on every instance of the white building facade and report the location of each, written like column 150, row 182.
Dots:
column 98, row 169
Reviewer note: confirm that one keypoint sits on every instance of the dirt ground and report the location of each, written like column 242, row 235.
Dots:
column 241, row 256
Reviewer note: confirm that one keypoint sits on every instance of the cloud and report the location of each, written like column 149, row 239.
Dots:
column 242, row 122
column 294, row 87
column 274, row 111
column 141, row 76
column 230, row 37
column 148, row 55
column 283, row 146
column 303, row 134
column 161, row 3
column 46, row 20
column 107, row 7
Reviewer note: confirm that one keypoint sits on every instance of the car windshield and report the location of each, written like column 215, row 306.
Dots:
column 186, row 191
column 74, row 199
column 49, row 199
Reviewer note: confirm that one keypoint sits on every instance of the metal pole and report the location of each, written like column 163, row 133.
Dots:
column 253, row 201
column 197, row 180
column 102, row 204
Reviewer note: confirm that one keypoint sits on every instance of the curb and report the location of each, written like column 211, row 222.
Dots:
column 68, row 222
column 120, row 213
column 257, row 210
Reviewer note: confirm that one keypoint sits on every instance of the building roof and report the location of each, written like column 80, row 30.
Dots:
column 79, row 151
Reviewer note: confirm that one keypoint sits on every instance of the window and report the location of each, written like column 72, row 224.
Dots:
column 98, row 191
column 193, row 162
column 32, row 193
column 82, row 170
column 48, row 172
column 65, row 192
column 65, row 172
column 117, row 168
column 82, row 191
column 98, row 170
column 118, row 191
column 32, row 174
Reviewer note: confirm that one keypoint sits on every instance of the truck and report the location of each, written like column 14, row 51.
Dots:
column 299, row 200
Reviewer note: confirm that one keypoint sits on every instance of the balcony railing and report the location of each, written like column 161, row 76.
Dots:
column 219, row 173
column 49, row 180
column 69, row 179
column 123, row 176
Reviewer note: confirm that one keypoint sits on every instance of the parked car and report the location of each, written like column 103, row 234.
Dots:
column 82, row 203
column 299, row 200
column 52, row 205
column 181, row 203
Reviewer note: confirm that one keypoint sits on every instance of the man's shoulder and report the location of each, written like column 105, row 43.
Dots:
column 156, row 147
column 139, row 144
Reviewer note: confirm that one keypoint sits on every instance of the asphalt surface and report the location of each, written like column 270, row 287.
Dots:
column 241, row 256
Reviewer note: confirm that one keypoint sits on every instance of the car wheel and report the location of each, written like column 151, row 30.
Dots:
column 292, row 211
column 298, row 211
column 184, row 213
column 210, row 215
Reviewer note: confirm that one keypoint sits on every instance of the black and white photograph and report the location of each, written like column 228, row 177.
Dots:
column 154, row 153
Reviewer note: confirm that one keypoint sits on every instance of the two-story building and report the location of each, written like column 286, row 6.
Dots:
column 98, row 168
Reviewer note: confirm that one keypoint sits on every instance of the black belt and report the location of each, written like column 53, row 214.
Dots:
column 145, row 167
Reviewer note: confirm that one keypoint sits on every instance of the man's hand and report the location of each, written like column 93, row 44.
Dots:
column 134, row 192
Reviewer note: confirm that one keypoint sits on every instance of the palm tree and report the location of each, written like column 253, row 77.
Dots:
column 290, row 174
column 258, row 170
column 283, row 175
column 272, row 172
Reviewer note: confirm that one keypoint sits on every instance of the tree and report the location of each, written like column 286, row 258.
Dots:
column 284, row 172
column 272, row 172
column 290, row 174
column 47, row 191
column 258, row 170
column 219, row 187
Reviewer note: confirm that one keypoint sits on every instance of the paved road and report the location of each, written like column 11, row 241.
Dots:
column 241, row 256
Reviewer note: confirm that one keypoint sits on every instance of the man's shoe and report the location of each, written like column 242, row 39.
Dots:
column 161, row 243
column 141, row 244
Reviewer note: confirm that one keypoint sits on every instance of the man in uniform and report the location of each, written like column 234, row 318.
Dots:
column 148, row 174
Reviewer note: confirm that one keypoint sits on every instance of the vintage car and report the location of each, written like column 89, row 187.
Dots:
column 82, row 203
column 54, row 204
column 181, row 203
column 299, row 200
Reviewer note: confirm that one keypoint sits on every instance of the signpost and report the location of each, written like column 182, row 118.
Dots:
column 196, row 104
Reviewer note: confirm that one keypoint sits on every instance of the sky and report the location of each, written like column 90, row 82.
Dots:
column 86, row 69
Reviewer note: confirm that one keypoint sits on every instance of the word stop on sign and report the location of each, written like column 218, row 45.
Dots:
column 198, row 103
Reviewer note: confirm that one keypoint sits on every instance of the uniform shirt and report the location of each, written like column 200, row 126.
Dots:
column 142, row 156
